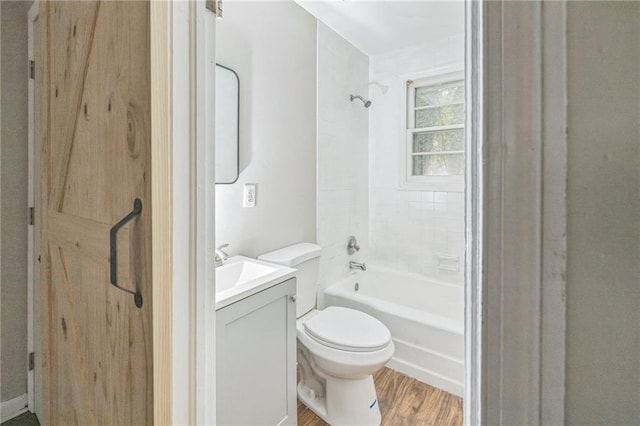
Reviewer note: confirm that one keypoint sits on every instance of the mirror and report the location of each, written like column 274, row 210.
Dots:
column 227, row 124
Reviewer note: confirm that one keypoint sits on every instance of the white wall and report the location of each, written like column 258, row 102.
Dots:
column 409, row 228
column 343, row 207
column 14, row 142
column 272, row 48
column 603, row 290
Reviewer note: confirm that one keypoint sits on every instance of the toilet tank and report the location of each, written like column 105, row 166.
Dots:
column 305, row 257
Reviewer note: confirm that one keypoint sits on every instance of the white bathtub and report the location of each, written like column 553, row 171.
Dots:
column 425, row 317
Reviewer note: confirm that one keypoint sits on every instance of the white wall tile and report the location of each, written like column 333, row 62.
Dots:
column 440, row 197
column 425, row 222
column 343, row 155
column 359, row 165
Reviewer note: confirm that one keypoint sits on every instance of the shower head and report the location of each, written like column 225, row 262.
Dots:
column 366, row 102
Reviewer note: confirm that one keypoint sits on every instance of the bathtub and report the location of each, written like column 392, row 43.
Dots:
column 425, row 317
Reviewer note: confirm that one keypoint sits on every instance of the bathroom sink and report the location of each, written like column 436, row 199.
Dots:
column 238, row 270
column 241, row 276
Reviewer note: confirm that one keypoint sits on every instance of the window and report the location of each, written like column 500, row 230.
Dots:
column 434, row 150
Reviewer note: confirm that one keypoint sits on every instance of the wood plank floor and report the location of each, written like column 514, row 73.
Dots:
column 404, row 401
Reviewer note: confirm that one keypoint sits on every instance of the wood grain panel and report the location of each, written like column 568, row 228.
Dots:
column 161, row 187
column 77, row 25
column 42, row 124
column 96, row 159
column 404, row 401
column 91, row 238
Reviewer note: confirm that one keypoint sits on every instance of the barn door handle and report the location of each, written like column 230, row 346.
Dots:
column 137, row 208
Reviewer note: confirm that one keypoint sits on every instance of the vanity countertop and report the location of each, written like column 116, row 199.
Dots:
column 240, row 277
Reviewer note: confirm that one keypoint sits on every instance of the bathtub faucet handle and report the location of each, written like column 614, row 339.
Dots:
column 352, row 245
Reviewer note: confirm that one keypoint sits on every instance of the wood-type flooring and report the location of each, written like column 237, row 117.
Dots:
column 404, row 401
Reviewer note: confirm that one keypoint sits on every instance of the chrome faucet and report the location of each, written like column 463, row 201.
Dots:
column 357, row 265
column 221, row 255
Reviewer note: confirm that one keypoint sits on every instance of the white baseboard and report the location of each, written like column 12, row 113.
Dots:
column 14, row 407
column 427, row 376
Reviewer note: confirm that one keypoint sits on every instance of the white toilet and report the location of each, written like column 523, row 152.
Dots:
column 339, row 349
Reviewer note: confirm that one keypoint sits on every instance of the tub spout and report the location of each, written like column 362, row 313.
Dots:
column 357, row 265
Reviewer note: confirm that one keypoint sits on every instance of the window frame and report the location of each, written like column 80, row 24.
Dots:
column 409, row 182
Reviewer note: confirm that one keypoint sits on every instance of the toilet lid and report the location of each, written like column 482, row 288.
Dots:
column 347, row 329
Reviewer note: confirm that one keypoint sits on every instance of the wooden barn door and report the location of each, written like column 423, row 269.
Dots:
column 93, row 85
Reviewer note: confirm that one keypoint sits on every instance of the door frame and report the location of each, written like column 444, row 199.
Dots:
column 194, row 324
column 474, row 375
column 33, row 271
column 160, row 27
column 518, row 273
column 205, row 289
column 505, row 381
column 516, row 257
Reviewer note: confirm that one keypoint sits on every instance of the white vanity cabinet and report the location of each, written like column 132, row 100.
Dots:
column 256, row 358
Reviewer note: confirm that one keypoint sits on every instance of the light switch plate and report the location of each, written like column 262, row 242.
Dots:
column 249, row 199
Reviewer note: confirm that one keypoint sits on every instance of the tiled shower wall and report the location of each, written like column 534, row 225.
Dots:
column 343, row 154
column 409, row 230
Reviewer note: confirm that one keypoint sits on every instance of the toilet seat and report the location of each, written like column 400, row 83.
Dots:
column 348, row 330
column 341, row 363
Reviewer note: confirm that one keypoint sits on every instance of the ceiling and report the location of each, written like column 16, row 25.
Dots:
column 377, row 27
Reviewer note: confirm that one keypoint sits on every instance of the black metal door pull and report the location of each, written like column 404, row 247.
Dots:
column 137, row 208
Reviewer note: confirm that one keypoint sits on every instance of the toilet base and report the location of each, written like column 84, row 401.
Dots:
column 345, row 401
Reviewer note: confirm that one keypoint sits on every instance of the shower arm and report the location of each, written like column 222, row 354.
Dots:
column 366, row 102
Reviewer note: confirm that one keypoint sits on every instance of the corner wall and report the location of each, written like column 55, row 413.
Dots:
column 13, row 202
column 272, row 48
column 603, row 240
column 343, row 154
